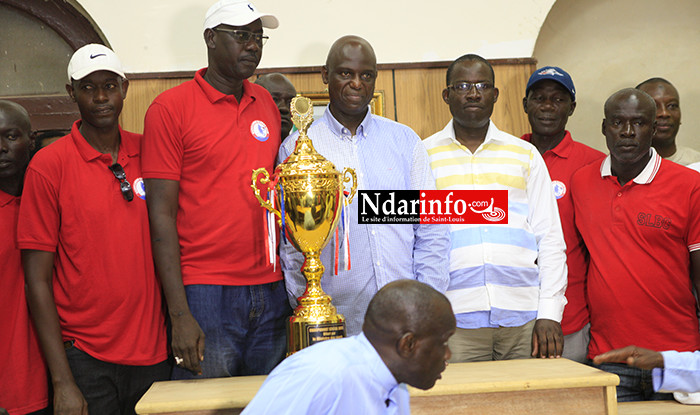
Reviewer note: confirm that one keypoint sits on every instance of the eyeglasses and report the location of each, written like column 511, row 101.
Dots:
column 464, row 87
column 244, row 36
column 124, row 185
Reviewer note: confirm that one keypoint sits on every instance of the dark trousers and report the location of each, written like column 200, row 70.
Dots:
column 244, row 328
column 112, row 389
column 635, row 384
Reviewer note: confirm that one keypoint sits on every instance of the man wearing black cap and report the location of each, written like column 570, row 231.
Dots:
column 550, row 99
column 202, row 140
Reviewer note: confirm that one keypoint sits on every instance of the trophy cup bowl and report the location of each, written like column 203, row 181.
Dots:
column 309, row 194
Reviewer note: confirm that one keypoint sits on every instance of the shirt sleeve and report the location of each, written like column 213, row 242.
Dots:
column 431, row 246
column 693, row 238
column 543, row 217
column 681, row 372
column 39, row 216
column 162, row 146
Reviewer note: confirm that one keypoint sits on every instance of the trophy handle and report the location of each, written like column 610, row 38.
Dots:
column 266, row 179
column 353, row 189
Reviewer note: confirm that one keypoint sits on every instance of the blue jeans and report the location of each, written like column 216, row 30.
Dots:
column 244, row 328
column 109, row 388
column 635, row 384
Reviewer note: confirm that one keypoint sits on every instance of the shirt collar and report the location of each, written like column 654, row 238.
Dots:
column 645, row 176
column 129, row 148
column 382, row 373
column 492, row 134
column 6, row 198
column 214, row 95
column 339, row 129
column 563, row 149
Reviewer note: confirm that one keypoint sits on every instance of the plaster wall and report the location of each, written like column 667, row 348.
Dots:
column 609, row 45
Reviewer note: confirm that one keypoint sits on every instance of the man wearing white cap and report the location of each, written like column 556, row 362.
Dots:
column 202, row 140
column 83, row 232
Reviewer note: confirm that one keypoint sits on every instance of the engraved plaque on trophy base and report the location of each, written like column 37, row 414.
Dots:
column 301, row 334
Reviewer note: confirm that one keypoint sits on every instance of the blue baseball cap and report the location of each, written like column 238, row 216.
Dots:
column 554, row 73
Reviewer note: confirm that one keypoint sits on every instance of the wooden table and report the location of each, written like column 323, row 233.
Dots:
column 519, row 387
column 532, row 386
column 220, row 396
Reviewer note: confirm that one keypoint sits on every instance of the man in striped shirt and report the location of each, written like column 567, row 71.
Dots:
column 507, row 281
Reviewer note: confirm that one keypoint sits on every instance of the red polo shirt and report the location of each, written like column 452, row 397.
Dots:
column 562, row 161
column 23, row 384
column 640, row 236
column 210, row 143
column 107, row 295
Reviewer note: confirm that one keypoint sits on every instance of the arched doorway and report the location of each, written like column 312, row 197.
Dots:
column 609, row 45
column 38, row 38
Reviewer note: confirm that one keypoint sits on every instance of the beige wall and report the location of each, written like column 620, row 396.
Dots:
column 606, row 45
column 412, row 96
column 609, row 45
column 162, row 36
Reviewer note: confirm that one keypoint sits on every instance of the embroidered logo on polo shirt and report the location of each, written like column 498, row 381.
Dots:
column 559, row 189
column 140, row 188
column 653, row 221
column 259, row 131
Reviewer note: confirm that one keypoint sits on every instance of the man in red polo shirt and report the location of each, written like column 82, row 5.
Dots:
column 23, row 385
column 639, row 216
column 550, row 99
column 83, row 231
column 202, row 141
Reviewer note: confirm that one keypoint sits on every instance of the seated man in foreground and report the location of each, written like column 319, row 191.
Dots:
column 403, row 340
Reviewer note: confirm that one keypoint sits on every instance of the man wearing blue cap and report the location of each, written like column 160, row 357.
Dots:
column 550, row 99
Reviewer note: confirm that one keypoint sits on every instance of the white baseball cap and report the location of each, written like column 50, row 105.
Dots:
column 237, row 13
column 92, row 58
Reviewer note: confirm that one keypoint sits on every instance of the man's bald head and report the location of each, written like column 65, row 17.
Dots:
column 338, row 50
column 628, row 128
column 668, row 113
column 274, row 80
column 350, row 73
column 16, row 145
column 408, row 323
column 13, row 109
column 642, row 99
column 655, row 80
column 404, row 305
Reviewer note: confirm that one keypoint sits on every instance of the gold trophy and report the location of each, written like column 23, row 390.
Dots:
column 309, row 192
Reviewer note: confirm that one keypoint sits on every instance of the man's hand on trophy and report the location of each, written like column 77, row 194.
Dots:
column 188, row 343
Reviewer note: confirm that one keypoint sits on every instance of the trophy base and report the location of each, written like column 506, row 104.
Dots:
column 302, row 333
